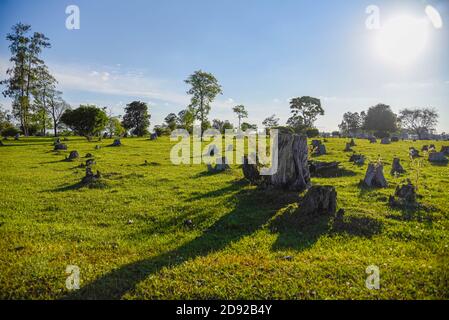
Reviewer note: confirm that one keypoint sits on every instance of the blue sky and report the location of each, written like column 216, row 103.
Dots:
column 262, row 52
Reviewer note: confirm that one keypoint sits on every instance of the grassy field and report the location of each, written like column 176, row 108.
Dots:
column 130, row 241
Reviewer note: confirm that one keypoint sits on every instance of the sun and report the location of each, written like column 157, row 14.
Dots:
column 402, row 39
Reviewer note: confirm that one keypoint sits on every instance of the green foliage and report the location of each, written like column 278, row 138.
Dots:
column 162, row 130
column 381, row 120
column 136, row 118
column 204, row 87
column 241, row 113
column 271, row 122
column 352, row 123
column 222, row 126
column 114, row 127
column 86, row 121
column 9, row 131
column 247, row 126
column 171, row 121
column 419, row 121
column 312, row 132
column 305, row 111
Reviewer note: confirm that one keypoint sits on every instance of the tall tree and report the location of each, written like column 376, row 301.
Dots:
column 56, row 107
column 352, row 123
column 381, row 120
column 222, row 126
column 185, row 119
column 241, row 113
column 271, row 122
column 305, row 111
column 171, row 120
column 43, row 89
column 25, row 59
column 86, row 121
column 204, row 88
column 136, row 118
column 419, row 121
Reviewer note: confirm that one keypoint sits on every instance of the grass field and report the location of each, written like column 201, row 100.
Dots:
column 130, row 241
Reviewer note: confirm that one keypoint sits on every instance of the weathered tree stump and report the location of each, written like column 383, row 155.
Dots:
column 17, row 136
column 438, row 157
column 425, row 148
column 319, row 200
column 320, row 150
column 445, row 150
column 292, row 167
column 316, row 143
column 358, row 159
column 89, row 155
column 432, row 147
column 348, row 148
column 372, row 140
column 116, row 143
column 60, row 146
column 375, row 176
column 413, row 153
column 352, row 143
column 73, row 155
column 316, row 166
column 90, row 177
column 394, row 139
column 406, row 196
column 397, row 168
column 385, row 140
column 153, row 136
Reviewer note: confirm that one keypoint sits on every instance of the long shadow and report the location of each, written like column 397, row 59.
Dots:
column 242, row 221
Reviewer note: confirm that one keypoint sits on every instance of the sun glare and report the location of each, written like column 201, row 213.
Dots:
column 402, row 39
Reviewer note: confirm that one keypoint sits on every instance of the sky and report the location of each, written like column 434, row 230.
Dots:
column 263, row 53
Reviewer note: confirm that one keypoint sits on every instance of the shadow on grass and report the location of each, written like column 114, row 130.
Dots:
column 241, row 221
column 334, row 173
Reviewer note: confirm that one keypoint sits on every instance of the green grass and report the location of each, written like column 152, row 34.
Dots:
column 245, row 243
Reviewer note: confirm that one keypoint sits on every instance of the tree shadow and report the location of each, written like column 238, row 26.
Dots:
column 240, row 222
column 334, row 173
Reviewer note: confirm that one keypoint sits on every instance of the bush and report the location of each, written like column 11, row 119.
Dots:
column 9, row 131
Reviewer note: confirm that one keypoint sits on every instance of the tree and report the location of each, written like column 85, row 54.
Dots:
column 381, row 120
column 42, row 91
column 248, row 126
column 241, row 113
column 185, row 120
column 204, row 88
column 5, row 118
column 352, row 123
column 56, row 107
column 171, row 120
column 136, row 118
column 419, row 121
column 305, row 111
column 114, row 127
column 9, row 131
column 271, row 122
column 222, row 126
column 23, row 74
column 86, row 121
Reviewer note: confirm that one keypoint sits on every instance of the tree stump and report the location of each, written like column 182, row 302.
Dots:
column 406, row 196
column 352, row 143
column 116, row 143
column 397, row 167
column 316, row 143
column 385, row 141
column 60, row 146
column 17, row 136
column 153, row 136
column 316, row 166
column 292, row 167
column 394, row 139
column 445, row 150
column 319, row 200
column 73, row 155
column 372, row 140
column 348, row 148
column 375, row 176
column 90, row 162
column 89, row 155
column 358, row 159
column 438, row 157
column 413, row 153
column 425, row 148
column 90, row 177
column 320, row 150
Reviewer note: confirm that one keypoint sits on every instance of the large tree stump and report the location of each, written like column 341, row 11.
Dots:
column 60, row 146
column 320, row 150
column 358, row 159
column 425, row 148
column 406, row 196
column 153, row 136
column 73, row 155
column 372, row 140
column 90, row 177
column 348, row 148
column 292, row 167
column 375, row 176
column 385, row 141
column 438, row 157
column 319, row 200
column 414, row 153
column 397, row 168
